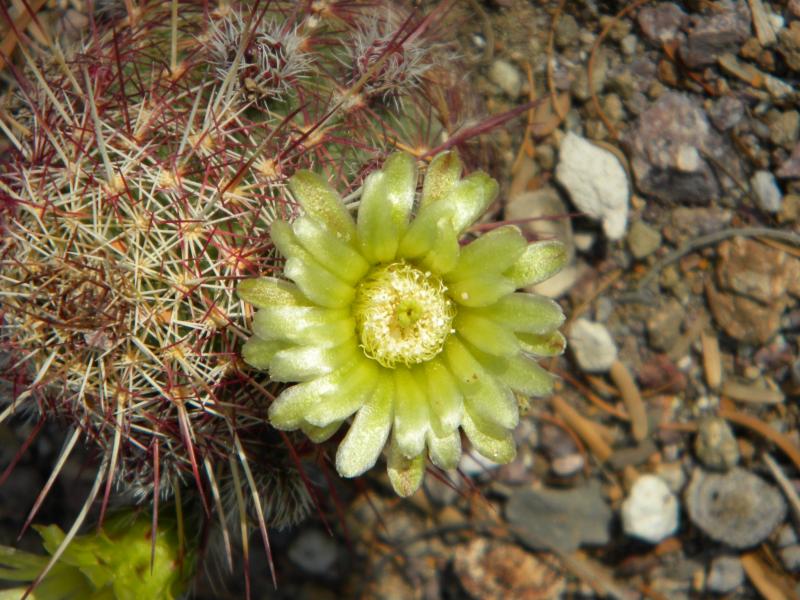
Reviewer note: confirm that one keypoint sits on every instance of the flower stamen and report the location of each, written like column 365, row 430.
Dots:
column 402, row 314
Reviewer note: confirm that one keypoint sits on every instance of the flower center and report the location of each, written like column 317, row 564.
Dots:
column 402, row 314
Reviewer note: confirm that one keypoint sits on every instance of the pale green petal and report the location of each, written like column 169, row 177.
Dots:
column 444, row 253
column 330, row 251
column 466, row 201
column 284, row 239
column 320, row 434
column 289, row 409
column 355, row 387
column 528, row 313
column 367, row 436
column 405, row 474
column 411, row 412
column 521, row 373
column 491, row 253
column 491, row 399
column 444, row 398
column 491, row 441
column 304, row 325
column 301, row 363
column 445, row 452
column 386, row 203
column 545, row 345
column 480, row 291
column 322, row 202
column 318, row 284
column 540, row 261
column 485, row 334
column 442, row 174
column 470, row 198
column 258, row 353
column 269, row 291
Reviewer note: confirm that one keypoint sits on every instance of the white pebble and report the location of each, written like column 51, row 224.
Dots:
column 596, row 182
column 650, row 512
column 766, row 190
column 592, row 345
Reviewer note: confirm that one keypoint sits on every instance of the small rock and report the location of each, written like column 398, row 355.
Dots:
column 789, row 45
column 783, row 131
column 628, row 44
column 643, row 240
column 496, row 570
column 725, row 574
column 750, row 292
column 565, row 458
column 507, row 77
column 650, row 512
column 726, row 112
column 736, row 508
column 596, row 182
column 715, row 444
column 667, row 145
column 314, row 552
column 567, row 31
column 664, row 324
column 717, row 33
column 661, row 23
column 790, row 557
column 592, row 345
column 474, row 464
column 672, row 474
column 790, row 168
column 766, row 190
column 562, row 519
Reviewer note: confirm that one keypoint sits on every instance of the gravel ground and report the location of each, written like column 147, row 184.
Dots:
column 662, row 146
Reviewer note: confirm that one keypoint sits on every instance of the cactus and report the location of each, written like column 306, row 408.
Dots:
column 147, row 164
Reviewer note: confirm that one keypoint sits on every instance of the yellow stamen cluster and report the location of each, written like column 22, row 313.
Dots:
column 402, row 314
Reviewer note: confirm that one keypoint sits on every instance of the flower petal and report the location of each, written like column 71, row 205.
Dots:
column 258, row 353
column 315, row 281
column 321, row 201
column 485, row 334
column 444, row 253
column 269, row 291
column 301, row 363
column 405, row 474
column 521, row 373
column 320, row 434
column 289, row 409
column 305, row 325
column 466, row 201
column 329, row 251
column 411, row 412
column 442, row 174
column 528, row 313
column 355, row 387
column 444, row 398
column 480, row 291
column 487, row 396
column 385, row 208
column 493, row 252
column 491, row 441
column 545, row 345
column 540, row 261
column 445, row 452
column 367, row 436
column 320, row 285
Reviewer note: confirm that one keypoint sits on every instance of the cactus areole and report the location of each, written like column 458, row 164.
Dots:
column 389, row 323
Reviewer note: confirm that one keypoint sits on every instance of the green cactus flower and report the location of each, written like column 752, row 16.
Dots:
column 113, row 563
column 391, row 322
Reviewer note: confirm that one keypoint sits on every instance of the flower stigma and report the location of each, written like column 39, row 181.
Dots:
column 402, row 314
